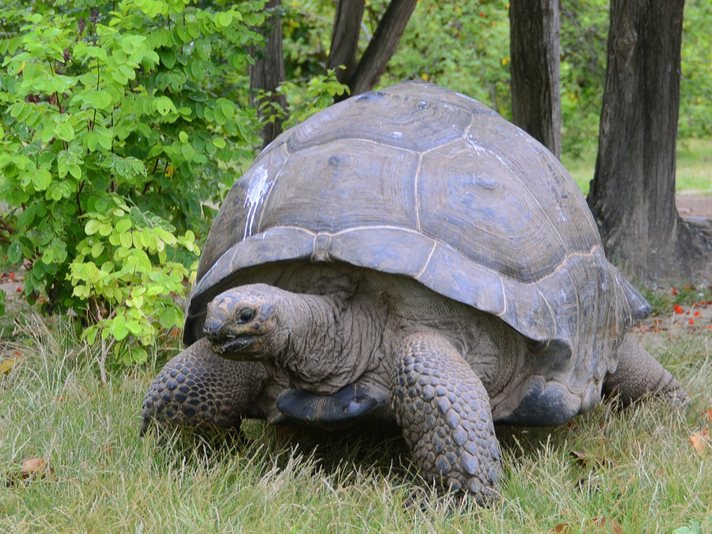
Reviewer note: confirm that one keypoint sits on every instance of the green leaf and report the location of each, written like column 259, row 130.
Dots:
column 164, row 105
column 97, row 249
column 123, row 225
column 41, row 179
column 126, row 239
column 90, row 334
column 99, row 99
column 91, row 227
column 168, row 57
column 48, row 256
column 223, row 19
column 198, row 70
column 119, row 329
column 187, row 151
column 14, row 252
column 64, row 131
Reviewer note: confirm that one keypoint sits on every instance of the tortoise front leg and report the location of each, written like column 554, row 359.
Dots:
column 444, row 411
column 198, row 388
column 639, row 374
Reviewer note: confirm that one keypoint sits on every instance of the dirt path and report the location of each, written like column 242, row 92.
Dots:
column 690, row 204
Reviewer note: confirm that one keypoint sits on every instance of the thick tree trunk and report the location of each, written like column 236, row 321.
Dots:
column 266, row 74
column 632, row 194
column 534, row 67
column 344, row 38
column 382, row 46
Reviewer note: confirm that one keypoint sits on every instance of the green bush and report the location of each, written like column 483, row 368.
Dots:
column 118, row 127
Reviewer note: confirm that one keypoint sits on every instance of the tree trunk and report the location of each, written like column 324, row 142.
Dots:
column 534, row 67
column 632, row 193
column 266, row 74
column 344, row 38
column 382, row 46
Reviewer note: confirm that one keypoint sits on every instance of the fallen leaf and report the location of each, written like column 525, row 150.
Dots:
column 36, row 468
column 33, row 469
column 701, row 440
column 607, row 525
column 6, row 366
column 678, row 309
column 583, row 459
column 561, row 527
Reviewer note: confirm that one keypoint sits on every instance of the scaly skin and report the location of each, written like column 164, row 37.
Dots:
column 640, row 374
column 444, row 411
column 198, row 388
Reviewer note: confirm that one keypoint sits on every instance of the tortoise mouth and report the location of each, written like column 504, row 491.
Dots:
column 229, row 345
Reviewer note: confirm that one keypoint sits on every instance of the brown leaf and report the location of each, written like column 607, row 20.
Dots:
column 701, row 441
column 36, row 468
column 33, row 469
column 606, row 525
column 583, row 460
column 561, row 528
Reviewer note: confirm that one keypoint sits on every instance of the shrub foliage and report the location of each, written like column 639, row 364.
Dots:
column 117, row 130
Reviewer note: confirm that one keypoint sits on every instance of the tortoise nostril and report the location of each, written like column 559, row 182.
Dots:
column 211, row 327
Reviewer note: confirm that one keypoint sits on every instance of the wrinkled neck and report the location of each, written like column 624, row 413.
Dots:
column 324, row 351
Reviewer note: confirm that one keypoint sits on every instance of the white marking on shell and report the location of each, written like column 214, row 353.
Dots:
column 561, row 212
column 397, row 134
column 466, row 97
column 482, row 150
column 255, row 194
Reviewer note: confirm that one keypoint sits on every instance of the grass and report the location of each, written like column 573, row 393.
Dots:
column 639, row 471
column 693, row 172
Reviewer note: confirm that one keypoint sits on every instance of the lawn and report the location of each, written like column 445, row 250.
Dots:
column 634, row 469
column 694, row 166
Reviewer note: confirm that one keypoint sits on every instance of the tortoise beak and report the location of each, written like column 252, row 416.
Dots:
column 226, row 340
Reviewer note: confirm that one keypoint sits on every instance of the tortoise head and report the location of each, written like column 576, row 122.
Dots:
column 244, row 323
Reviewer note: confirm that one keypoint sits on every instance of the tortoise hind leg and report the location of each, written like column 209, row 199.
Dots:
column 444, row 411
column 198, row 388
column 639, row 374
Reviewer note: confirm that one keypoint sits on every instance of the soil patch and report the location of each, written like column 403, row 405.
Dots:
column 694, row 206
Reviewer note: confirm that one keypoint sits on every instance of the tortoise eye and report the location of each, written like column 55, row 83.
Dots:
column 245, row 316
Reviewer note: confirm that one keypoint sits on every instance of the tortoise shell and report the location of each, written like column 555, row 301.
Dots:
column 423, row 182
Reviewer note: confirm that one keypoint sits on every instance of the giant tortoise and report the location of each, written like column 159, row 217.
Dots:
column 410, row 257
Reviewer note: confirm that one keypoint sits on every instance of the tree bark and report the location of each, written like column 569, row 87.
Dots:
column 534, row 68
column 266, row 74
column 382, row 46
column 632, row 193
column 344, row 38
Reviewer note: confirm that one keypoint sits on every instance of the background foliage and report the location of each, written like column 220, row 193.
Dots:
column 465, row 46
column 123, row 124
column 120, row 123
